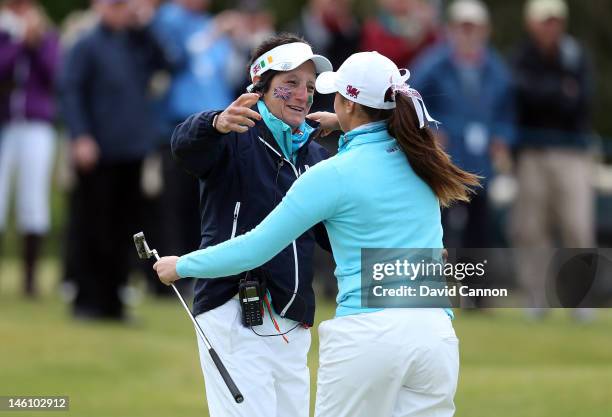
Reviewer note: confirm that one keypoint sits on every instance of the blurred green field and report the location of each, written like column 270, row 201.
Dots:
column 510, row 367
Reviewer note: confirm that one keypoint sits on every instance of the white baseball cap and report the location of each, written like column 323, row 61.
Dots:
column 288, row 57
column 468, row 11
column 372, row 80
column 363, row 78
column 542, row 10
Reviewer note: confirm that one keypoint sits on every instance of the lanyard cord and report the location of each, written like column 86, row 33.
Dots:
column 267, row 302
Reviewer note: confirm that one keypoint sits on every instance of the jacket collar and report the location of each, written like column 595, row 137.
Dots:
column 266, row 134
column 368, row 133
column 289, row 141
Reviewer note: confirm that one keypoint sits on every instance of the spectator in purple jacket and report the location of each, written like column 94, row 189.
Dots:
column 29, row 55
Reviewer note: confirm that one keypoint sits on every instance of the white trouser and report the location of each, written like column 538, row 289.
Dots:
column 26, row 147
column 391, row 363
column 272, row 375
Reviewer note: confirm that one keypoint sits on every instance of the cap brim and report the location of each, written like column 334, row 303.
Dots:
column 326, row 82
column 543, row 17
column 474, row 20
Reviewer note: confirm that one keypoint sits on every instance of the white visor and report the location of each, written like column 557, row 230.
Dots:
column 288, row 57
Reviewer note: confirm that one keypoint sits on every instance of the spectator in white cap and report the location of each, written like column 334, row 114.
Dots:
column 246, row 158
column 554, row 91
column 467, row 86
column 384, row 189
column 546, row 22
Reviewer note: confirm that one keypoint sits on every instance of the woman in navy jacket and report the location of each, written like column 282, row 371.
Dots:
column 246, row 158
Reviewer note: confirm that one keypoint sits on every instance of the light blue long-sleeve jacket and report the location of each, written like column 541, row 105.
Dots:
column 367, row 196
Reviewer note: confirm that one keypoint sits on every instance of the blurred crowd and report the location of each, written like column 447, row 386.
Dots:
column 122, row 74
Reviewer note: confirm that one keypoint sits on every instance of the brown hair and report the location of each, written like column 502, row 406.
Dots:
column 270, row 43
column 425, row 155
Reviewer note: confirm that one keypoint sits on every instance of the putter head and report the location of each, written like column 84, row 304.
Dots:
column 141, row 246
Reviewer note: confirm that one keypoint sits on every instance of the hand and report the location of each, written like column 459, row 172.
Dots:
column 231, row 23
column 34, row 27
column 570, row 87
column 142, row 12
column 85, row 153
column 441, row 137
column 501, row 156
column 166, row 269
column 328, row 121
column 238, row 117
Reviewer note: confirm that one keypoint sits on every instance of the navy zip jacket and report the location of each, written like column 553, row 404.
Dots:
column 104, row 91
column 243, row 176
column 549, row 113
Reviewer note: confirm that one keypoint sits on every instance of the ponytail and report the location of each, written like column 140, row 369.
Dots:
column 425, row 155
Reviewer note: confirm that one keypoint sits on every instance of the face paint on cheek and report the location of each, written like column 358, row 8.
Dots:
column 309, row 99
column 282, row 93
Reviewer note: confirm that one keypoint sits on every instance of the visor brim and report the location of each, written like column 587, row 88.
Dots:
column 321, row 63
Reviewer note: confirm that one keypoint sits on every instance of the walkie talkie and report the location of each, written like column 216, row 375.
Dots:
column 251, row 303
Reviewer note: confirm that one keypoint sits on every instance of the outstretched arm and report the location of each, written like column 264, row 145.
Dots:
column 328, row 122
column 314, row 197
column 199, row 142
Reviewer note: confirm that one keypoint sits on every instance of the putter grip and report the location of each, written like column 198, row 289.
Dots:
column 226, row 376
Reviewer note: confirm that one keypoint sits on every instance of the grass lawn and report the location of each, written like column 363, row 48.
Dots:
column 509, row 365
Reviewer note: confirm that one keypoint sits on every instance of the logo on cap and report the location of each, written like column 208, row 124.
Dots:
column 352, row 91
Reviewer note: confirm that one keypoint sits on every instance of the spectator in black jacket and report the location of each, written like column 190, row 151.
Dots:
column 246, row 158
column 553, row 93
column 104, row 99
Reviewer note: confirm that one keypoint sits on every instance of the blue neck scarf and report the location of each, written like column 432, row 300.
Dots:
column 288, row 141
column 373, row 127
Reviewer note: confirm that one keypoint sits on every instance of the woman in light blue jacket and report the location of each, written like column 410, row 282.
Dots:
column 384, row 189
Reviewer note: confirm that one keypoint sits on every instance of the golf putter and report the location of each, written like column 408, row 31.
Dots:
column 145, row 253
